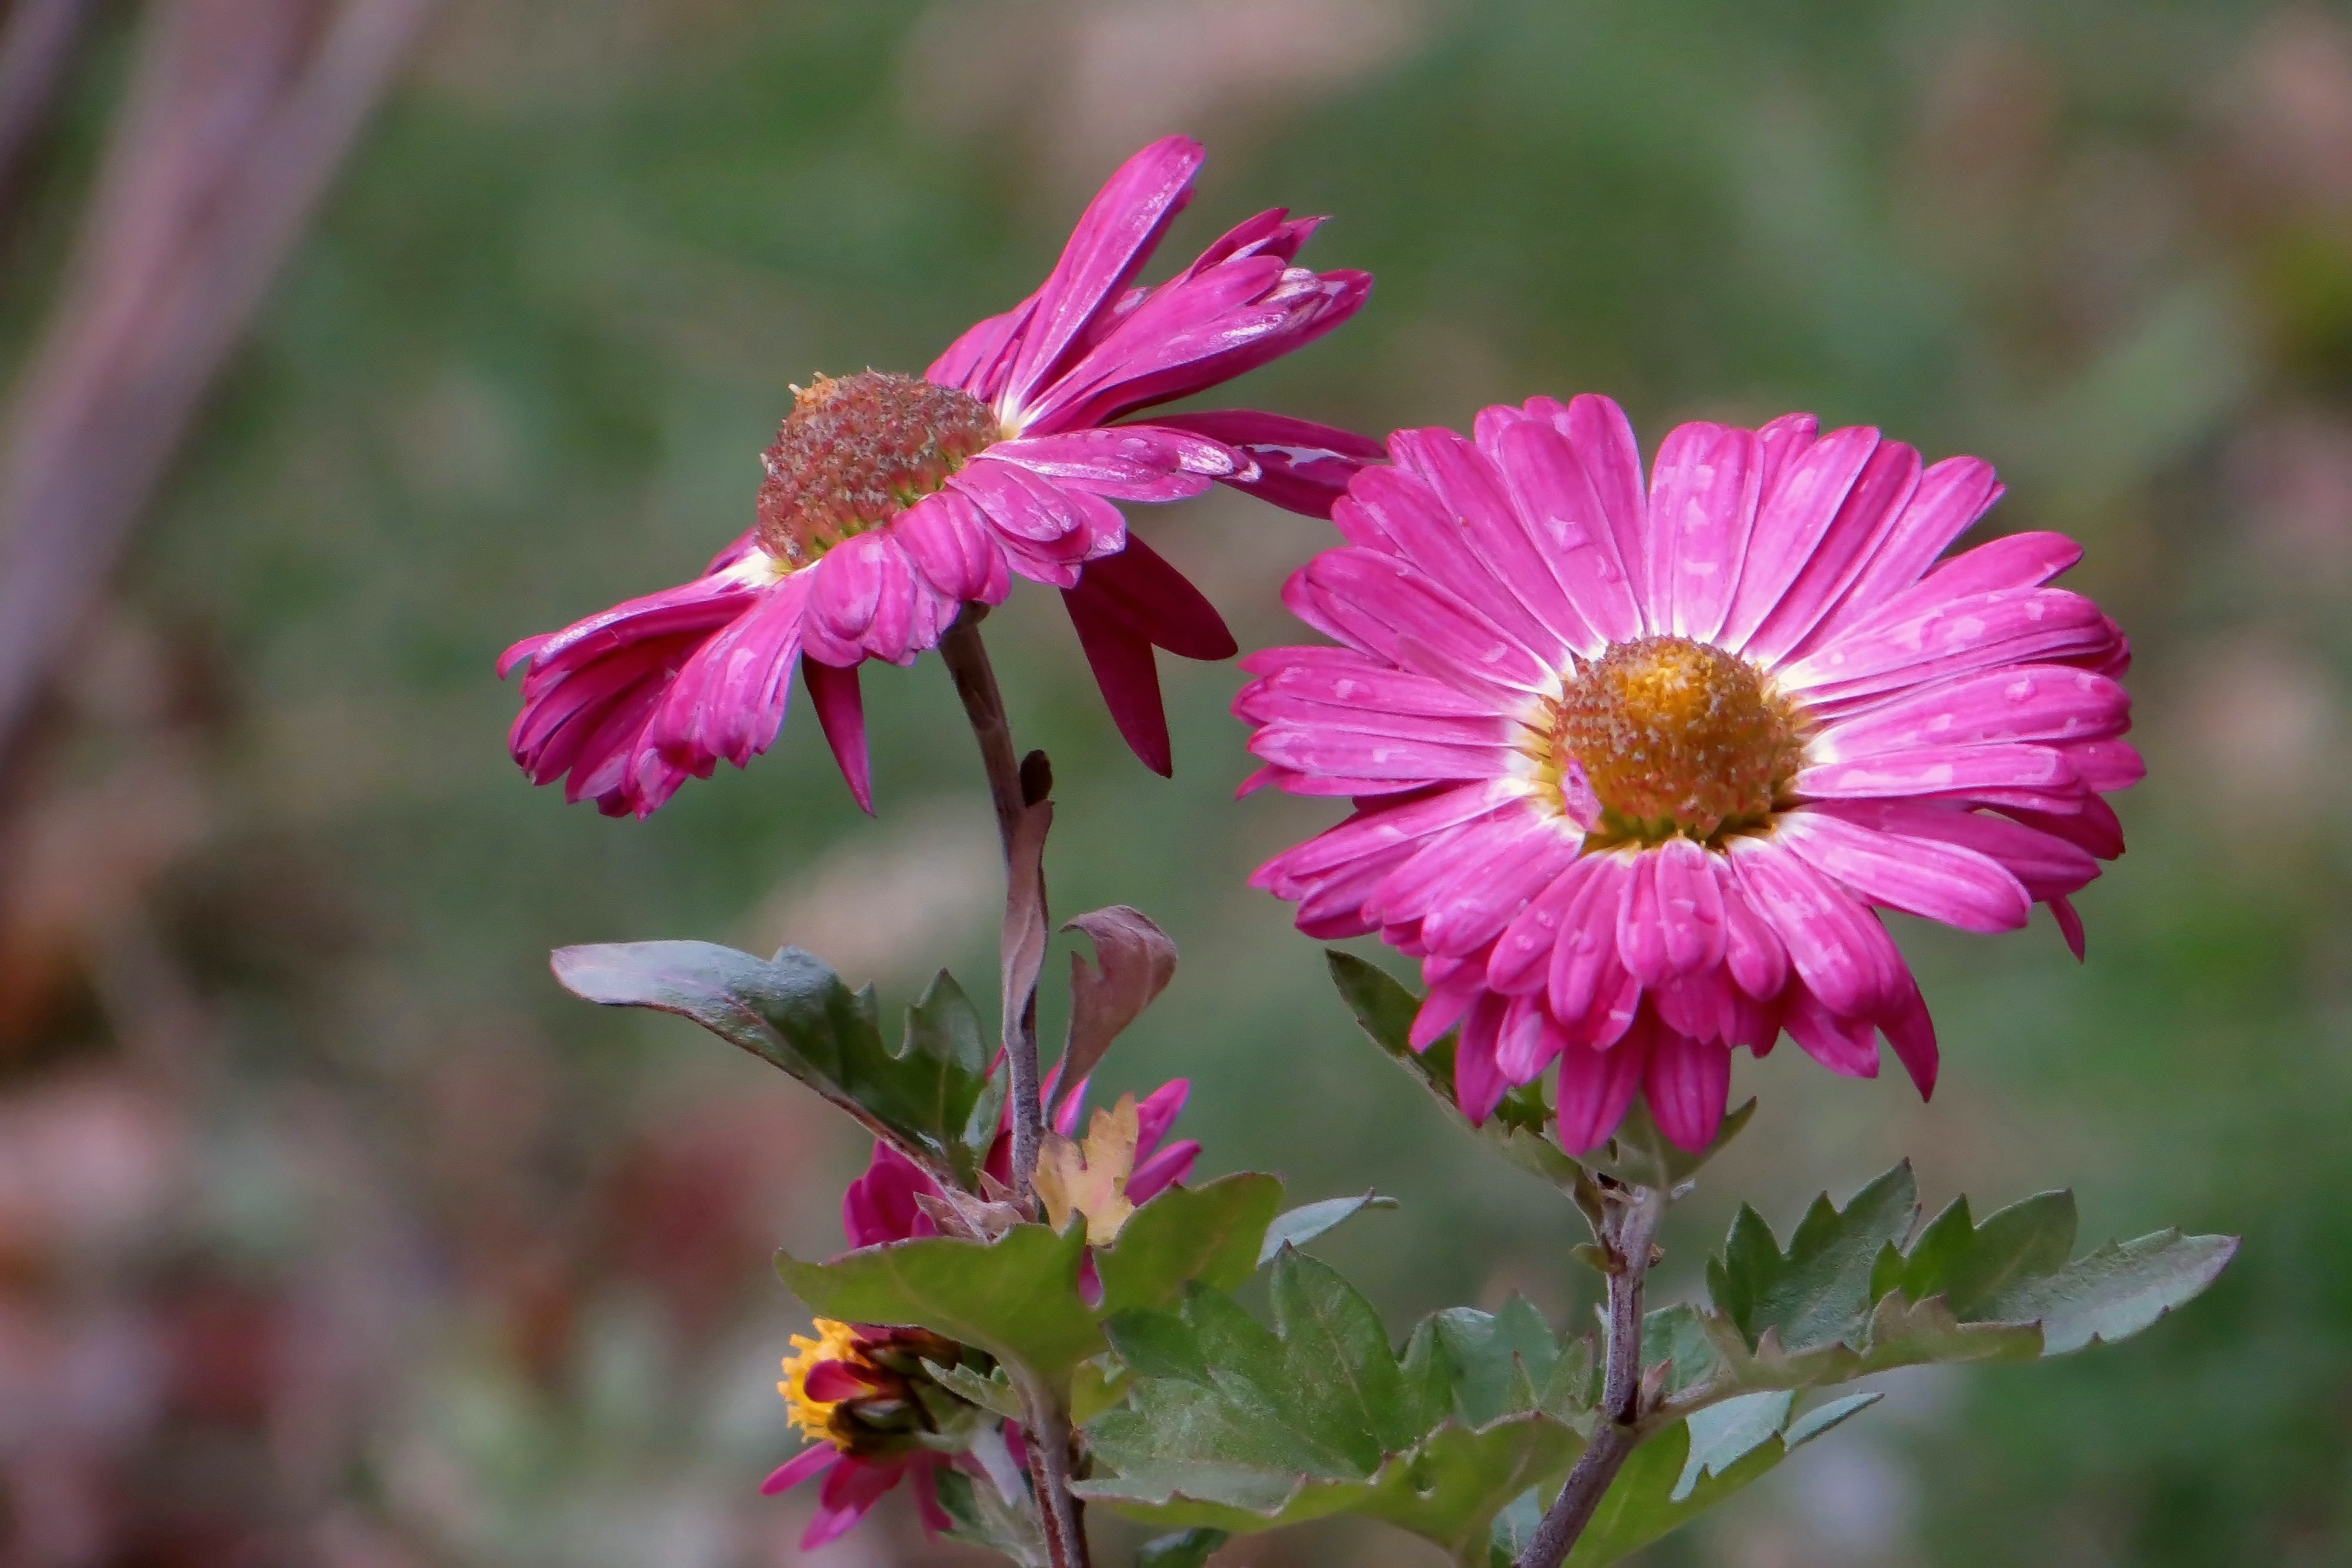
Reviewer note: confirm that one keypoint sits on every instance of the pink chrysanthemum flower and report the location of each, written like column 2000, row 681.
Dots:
column 1633, row 773
column 846, row 1389
column 892, row 501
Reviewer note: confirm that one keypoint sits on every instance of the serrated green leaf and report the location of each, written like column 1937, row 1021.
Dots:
column 1816, row 1293
column 1500, row 1363
column 1097, row 1383
column 1640, row 1154
column 1245, row 1428
column 1298, row 1227
column 1016, row 1298
column 1515, row 1527
column 1184, row 1548
column 927, row 1096
column 1385, row 1011
column 2117, row 1291
column 1971, row 1265
column 1211, row 1233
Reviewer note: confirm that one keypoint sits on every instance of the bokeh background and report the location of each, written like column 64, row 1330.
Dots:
column 332, row 1232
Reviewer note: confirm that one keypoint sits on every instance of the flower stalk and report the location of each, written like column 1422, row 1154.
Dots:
column 1016, row 789
column 1626, row 1239
column 983, row 706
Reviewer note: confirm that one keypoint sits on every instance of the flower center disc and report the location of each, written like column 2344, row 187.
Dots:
column 856, row 451
column 1676, row 737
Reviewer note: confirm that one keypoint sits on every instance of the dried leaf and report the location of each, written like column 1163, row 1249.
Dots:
column 1137, row 960
column 1091, row 1178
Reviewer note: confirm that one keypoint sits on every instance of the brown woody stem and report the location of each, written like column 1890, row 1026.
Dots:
column 1632, row 1226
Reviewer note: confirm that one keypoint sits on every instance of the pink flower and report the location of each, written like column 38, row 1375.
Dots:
column 880, row 1204
column 892, row 501
column 1632, row 773
column 858, row 1392
column 829, row 1378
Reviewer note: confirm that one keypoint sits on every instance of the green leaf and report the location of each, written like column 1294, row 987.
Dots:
column 934, row 1096
column 1723, row 1435
column 1822, row 1418
column 1298, row 1227
column 1185, row 1549
column 1016, row 1298
column 1816, row 1293
column 1212, row 1233
column 993, row 1393
column 1970, row 1265
column 1237, row 1427
column 1648, row 1497
column 982, row 1516
column 1640, row 1154
column 1385, row 1011
column 2117, row 1291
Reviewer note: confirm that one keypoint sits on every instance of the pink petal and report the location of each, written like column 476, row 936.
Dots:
column 1115, row 236
column 1912, row 1033
column 1950, row 497
column 1161, row 1171
column 1479, row 1082
column 1847, row 1046
column 1868, row 512
column 728, row 700
column 1791, row 520
column 1640, row 938
column 1570, row 532
column 1587, row 948
column 1840, row 949
column 813, row 1460
column 1935, row 880
column 1687, row 1082
column 1154, row 598
column 835, row 1380
column 841, row 712
column 1612, row 460
column 2070, row 926
column 2049, row 865
column 2019, row 703
column 1429, row 526
column 1479, row 500
column 1940, row 770
column 1472, row 908
column 1953, row 638
column 1521, row 961
column 1596, row 1088
column 1129, row 463
column 951, row 544
column 1302, row 467
column 1752, row 951
column 1703, row 499
column 1130, row 680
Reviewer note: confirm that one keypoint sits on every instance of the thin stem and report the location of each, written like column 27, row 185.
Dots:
column 1049, row 1471
column 1633, row 1227
column 1048, row 1424
column 983, row 705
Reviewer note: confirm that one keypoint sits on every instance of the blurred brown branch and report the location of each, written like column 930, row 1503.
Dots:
column 236, row 118
column 35, row 49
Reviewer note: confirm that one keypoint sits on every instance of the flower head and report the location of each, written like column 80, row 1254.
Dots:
column 875, row 1417
column 892, row 501
column 1634, row 771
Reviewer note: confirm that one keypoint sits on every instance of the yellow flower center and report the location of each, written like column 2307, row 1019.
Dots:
column 857, row 451
column 1676, row 737
column 835, row 1342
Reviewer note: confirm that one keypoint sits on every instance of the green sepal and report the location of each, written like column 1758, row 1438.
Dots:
column 1640, row 1154
column 1384, row 1008
column 934, row 1096
column 993, row 1393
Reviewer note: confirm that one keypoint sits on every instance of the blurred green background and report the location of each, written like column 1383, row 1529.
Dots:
column 332, row 1231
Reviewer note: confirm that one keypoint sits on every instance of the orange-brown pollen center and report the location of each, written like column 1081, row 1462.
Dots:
column 1676, row 737
column 857, row 451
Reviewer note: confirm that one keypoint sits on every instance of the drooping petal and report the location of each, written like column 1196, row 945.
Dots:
column 1596, row 1088
column 1302, row 467
column 813, row 1460
column 1129, row 679
column 1687, row 1082
column 841, row 712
